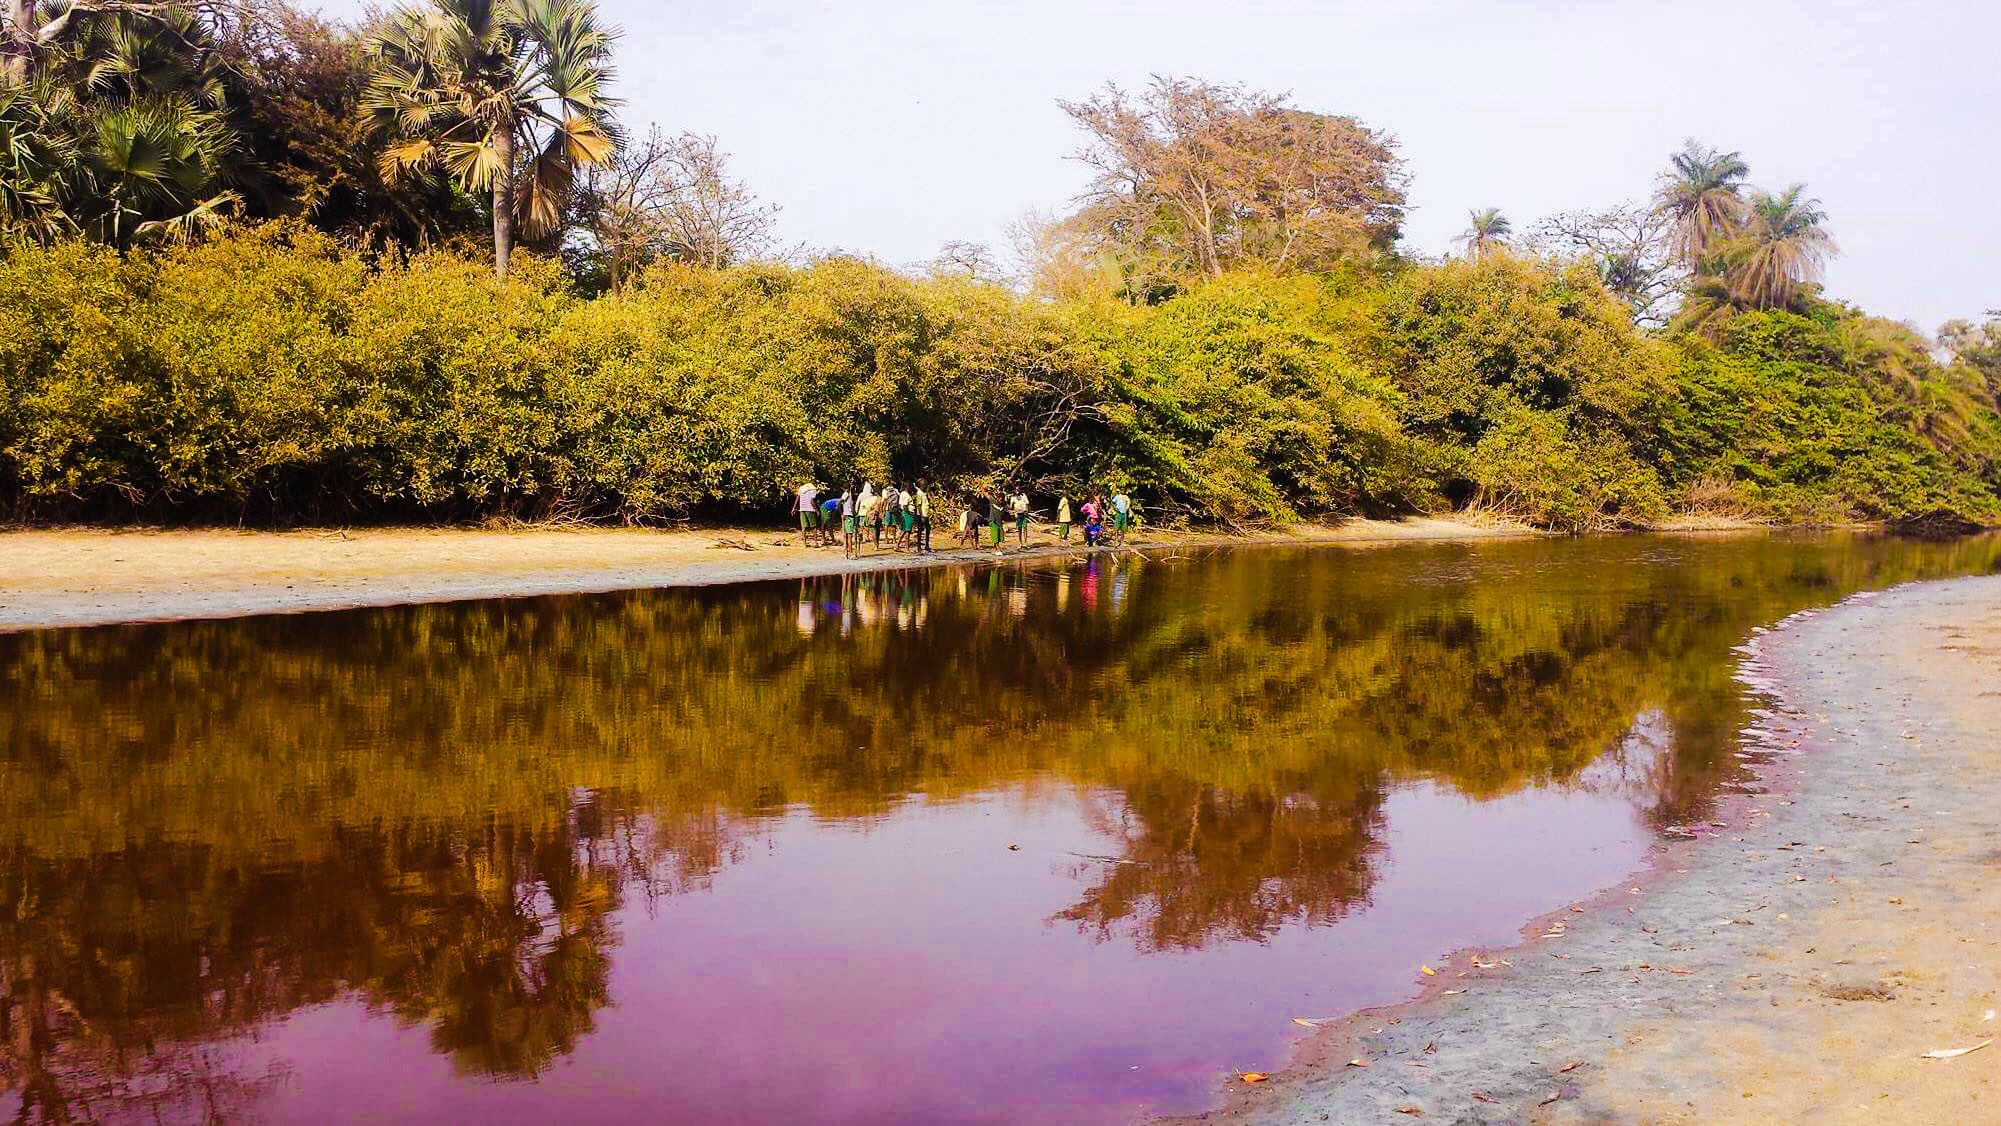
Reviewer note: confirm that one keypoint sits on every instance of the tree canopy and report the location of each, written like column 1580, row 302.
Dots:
column 241, row 250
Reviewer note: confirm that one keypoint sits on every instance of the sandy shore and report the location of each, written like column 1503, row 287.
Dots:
column 1794, row 965
column 76, row 577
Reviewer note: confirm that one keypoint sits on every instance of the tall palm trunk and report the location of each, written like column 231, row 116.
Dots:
column 503, row 200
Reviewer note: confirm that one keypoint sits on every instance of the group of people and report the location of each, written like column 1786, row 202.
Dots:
column 906, row 514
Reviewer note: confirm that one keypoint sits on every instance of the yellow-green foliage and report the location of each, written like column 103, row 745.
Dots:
column 272, row 375
column 1244, row 397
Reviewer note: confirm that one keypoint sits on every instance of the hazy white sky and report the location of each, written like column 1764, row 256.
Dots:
column 891, row 126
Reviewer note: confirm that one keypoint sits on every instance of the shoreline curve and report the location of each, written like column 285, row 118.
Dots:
column 1792, row 965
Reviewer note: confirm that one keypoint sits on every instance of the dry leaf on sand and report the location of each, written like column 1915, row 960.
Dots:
column 1949, row 1053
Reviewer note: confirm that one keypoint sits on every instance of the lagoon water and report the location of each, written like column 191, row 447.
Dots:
column 1067, row 841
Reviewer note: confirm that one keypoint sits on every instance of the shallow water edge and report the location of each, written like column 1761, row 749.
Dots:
column 1790, row 959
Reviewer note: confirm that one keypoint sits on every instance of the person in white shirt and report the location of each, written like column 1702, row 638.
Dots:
column 865, row 505
column 809, row 511
column 1018, row 505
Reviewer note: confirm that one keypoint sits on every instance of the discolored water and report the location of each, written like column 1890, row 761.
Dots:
column 1054, row 843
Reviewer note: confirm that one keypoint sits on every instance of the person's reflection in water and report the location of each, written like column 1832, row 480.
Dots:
column 806, row 619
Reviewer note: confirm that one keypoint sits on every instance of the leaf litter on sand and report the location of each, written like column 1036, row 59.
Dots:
column 1952, row 1053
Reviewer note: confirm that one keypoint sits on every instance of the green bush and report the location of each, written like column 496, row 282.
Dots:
column 1830, row 416
column 273, row 375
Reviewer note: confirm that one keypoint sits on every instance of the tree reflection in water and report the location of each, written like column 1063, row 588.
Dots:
column 442, row 809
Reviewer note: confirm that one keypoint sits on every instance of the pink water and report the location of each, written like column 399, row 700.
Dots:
column 1070, row 842
column 908, row 970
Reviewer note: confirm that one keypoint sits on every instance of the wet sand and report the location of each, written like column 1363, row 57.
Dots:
column 1793, row 964
column 78, row 577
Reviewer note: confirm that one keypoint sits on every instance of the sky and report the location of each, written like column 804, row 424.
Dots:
column 889, row 127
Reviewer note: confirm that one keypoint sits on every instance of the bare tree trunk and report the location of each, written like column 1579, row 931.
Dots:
column 503, row 200
column 23, row 23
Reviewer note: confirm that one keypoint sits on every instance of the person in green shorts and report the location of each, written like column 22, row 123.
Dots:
column 1018, row 506
column 1121, row 512
column 830, row 518
column 996, row 521
column 809, row 511
column 851, row 525
column 1063, row 517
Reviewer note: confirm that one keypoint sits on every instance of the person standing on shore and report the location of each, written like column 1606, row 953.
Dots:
column 1063, row 517
column 830, row 515
column 864, row 511
column 1093, row 512
column 1121, row 512
column 997, row 520
column 923, row 519
column 1018, row 506
column 969, row 523
column 850, row 527
column 907, row 509
column 809, row 512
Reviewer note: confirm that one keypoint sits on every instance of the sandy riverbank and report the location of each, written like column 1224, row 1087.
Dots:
column 1793, row 965
column 76, row 577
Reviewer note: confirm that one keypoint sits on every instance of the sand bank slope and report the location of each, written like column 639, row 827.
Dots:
column 73, row 577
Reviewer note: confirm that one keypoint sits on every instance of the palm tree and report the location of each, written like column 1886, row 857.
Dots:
column 503, row 95
column 1486, row 231
column 35, row 154
column 115, row 123
column 156, row 167
column 1703, row 193
column 1783, row 249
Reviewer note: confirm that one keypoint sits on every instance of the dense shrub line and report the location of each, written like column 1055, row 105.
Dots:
column 273, row 376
